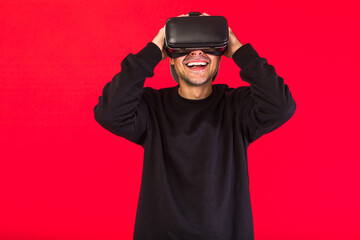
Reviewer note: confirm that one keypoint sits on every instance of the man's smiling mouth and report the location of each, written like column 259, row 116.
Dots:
column 197, row 65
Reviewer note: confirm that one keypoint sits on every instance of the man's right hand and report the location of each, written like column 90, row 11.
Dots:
column 159, row 41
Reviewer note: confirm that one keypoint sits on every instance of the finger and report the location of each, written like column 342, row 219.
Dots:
column 205, row 14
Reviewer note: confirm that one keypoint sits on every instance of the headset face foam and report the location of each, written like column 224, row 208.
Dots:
column 183, row 52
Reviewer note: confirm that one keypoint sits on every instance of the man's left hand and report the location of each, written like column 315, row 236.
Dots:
column 233, row 45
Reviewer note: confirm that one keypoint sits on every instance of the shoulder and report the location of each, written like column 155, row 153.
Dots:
column 235, row 97
column 152, row 92
column 231, row 92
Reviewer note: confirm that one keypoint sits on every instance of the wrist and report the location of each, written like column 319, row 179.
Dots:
column 232, row 49
column 160, row 46
column 235, row 48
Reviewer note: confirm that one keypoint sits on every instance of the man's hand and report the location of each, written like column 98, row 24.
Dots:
column 159, row 41
column 233, row 45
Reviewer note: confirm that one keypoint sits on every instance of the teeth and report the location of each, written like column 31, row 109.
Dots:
column 196, row 64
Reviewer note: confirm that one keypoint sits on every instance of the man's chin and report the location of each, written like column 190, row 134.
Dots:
column 197, row 82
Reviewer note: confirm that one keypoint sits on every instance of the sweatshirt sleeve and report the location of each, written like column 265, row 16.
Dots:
column 121, row 109
column 269, row 103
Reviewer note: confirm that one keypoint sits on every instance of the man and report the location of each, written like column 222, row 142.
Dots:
column 195, row 182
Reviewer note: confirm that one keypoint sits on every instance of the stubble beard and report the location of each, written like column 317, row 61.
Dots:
column 195, row 84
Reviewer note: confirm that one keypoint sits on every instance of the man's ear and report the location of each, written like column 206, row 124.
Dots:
column 172, row 61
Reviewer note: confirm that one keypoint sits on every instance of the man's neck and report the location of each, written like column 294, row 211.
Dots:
column 195, row 93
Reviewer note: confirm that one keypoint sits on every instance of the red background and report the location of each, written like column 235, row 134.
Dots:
column 62, row 176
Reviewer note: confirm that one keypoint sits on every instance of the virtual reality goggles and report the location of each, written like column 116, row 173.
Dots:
column 185, row 34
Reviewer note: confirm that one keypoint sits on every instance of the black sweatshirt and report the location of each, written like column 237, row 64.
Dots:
column 195, row 183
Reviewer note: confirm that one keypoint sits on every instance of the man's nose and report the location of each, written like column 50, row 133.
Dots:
column 196, row 52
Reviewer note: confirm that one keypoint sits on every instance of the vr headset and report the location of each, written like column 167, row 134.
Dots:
column 185, row 34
